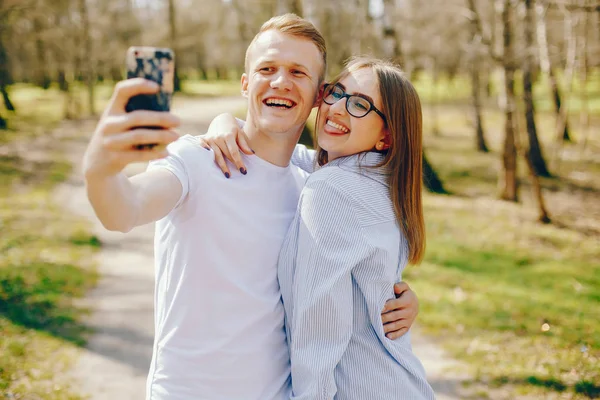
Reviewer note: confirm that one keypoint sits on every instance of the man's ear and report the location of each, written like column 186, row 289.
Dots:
column 320, row 93
column 244, row 85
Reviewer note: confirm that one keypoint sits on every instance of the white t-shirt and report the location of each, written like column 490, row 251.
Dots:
column 219, row 332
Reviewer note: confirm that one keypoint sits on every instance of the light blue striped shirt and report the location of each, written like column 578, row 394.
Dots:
column 341, row 257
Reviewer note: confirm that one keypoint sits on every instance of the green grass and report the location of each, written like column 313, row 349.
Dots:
column 458, row 91
column 516, row 300
column 493, row 276
column 39, row 110
column 45, row 261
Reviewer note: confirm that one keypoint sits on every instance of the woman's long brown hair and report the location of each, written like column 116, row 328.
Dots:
column 404, row 158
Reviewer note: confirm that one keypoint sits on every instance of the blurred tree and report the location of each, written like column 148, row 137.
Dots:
column 474, row 70
column 535, row 150
column 508, row 179
column 4, row 74
column 40, row 13
column 174, row 42
column 60, row 36
column 431, row 179
column 392, row 49
column 88, row 56
column 5, row 79
column 548, row 68
column 289, row 6
column 584, row 71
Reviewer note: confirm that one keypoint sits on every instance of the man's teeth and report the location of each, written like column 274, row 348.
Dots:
column 337, row 126
column 279, row 102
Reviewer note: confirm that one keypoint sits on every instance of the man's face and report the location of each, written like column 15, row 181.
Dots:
column 282, row 82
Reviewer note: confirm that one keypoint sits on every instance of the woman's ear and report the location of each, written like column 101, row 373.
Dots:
column 385, row 142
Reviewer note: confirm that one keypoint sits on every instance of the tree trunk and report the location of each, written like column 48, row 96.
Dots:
column 289, row 6
column 391, row 43
column 88, row 59
column 477, row 120
column 435, row 118
column 311, row 11
column 4, row 76
column 431, row 179
column 547, row 67
column 583, row 76
column 571, row 38
column 535, row 151
column 7, row 103
column 174, row 44
column 508, row 181
column 222, row 73
column 543, row 217
column 200, row 66
column 556, row 97
column 476, row 81
column 535, row 179
column 42, row 79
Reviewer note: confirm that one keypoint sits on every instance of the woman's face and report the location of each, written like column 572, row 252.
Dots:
column 342, row 134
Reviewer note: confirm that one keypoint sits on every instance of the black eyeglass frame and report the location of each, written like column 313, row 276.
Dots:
column 347, row 96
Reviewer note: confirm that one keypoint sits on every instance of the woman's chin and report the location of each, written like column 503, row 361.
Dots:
column 325, row 142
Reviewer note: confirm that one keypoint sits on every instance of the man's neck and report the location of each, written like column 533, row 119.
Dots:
column 274, row 148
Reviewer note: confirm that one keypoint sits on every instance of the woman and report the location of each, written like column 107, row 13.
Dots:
column 359, row 223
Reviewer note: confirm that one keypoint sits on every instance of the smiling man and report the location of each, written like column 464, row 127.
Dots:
column 218, row 313
column 219, row 317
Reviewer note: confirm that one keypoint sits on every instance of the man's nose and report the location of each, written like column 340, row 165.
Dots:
column 281, row 81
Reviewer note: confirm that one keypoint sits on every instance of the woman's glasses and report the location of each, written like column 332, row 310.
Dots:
column 357, row 106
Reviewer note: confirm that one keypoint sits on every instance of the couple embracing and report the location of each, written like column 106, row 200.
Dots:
column 277, row 280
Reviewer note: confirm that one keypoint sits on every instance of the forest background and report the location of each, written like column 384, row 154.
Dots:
column 511, row 92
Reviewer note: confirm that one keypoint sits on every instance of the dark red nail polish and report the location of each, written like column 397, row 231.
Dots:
column 243, row 171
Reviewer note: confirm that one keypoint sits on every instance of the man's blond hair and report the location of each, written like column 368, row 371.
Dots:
column 293, row 25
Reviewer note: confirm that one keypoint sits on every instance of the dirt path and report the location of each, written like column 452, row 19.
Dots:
column 116, row 360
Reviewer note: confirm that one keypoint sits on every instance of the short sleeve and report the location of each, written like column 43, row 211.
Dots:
column 180, row 161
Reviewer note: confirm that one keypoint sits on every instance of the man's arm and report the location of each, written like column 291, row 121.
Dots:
column 399, row 314
column 121, row 203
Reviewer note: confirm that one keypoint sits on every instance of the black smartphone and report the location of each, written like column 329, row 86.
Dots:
column 155, row 64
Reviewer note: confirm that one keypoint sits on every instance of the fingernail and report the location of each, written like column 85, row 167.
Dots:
column 206, row 148
column 253, row 152
column 227, row 175
column 243, row 171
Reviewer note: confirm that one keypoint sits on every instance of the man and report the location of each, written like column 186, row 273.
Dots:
column 218, row 313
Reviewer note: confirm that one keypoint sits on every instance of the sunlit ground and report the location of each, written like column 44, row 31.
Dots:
column 516, row 300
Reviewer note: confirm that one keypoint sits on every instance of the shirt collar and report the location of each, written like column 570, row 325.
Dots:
column 366, row 163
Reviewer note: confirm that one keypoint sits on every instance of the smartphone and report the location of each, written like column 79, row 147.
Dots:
column 158, row 65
